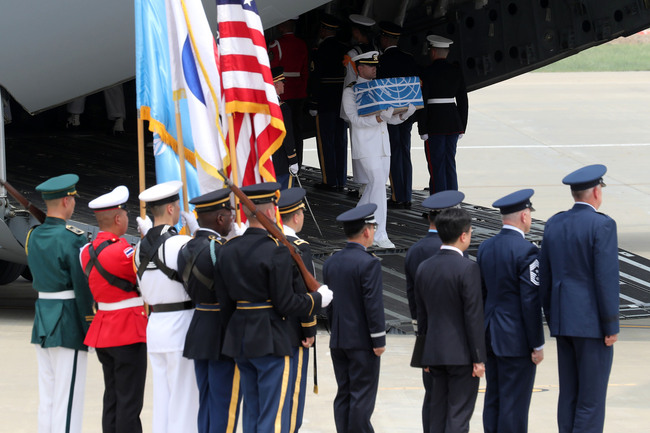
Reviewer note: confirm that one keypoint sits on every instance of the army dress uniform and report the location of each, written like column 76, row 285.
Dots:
column 301, row 327
column 579, row 285
column 119, row 329
column 217, row 376
column 394, row 63
column 358, row 326
column 416, row 254
column 63, row 313
column 513, row 320
column 175, row 396
column 259, row 276
column 286, row 154
column 443, row 118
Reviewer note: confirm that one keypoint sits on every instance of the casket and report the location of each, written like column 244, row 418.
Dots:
column 377, row 95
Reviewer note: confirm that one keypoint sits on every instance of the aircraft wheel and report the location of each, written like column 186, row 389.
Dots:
column 9, row 271
column 27, row 274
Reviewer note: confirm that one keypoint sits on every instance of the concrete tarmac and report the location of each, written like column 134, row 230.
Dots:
column 527, row 132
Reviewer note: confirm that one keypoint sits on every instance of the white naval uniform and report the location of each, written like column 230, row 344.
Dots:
column 370, row 145
column 175, row 392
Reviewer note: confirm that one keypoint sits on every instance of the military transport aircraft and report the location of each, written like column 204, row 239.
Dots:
column 54, row 51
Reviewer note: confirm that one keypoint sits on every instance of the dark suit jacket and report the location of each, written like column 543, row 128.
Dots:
column 419, row 252
column 450, row 310
column 579, row 275
column 396, row 63
column 302, row 326
column 357, row 311
column 513, row 310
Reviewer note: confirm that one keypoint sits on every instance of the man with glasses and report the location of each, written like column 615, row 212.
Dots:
column 118, row 331
column 579, row 285
column 513, row 316
column 63, row 310
column 357, row 320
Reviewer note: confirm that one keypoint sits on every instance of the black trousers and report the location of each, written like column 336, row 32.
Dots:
column 453, row 396
column 125, row 370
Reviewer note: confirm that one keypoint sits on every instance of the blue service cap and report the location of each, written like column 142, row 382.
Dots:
column 267, row 192
column 518, row 200
column 443, row 200
column 364, row 213
column 291, row 200
column 211, row 201
column 586, row 177
column 59, row 186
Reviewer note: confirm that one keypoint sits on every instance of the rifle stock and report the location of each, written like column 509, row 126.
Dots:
column 311, row 282
column 31, row 208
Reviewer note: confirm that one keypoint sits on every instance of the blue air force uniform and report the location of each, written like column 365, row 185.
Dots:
column 579, row 278
column 513, row 320
column 260, row 277
column 216, row 375
column 358, row 326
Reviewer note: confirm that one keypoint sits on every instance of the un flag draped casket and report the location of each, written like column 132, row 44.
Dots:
column 377, row 95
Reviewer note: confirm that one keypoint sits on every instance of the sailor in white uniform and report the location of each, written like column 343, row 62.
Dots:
column 175, row 393
column 371, row 145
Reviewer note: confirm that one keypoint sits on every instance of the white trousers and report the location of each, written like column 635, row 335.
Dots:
column 175, row 393
column 113, row 98
column 376, row 170
column 61, row 377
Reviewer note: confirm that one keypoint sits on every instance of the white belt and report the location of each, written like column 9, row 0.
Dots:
column 441, row 101
column 66, row 294
column 120, row 305
column 292, row 74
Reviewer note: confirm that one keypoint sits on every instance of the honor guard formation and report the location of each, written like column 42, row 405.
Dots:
column 227, row 313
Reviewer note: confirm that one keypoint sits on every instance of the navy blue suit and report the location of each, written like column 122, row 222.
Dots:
column 358, row 325
column 579, row 280
column 419, row 252
column 513, row 327
column 450, row 315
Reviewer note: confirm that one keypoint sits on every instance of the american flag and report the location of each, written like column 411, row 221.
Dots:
column 248, row 90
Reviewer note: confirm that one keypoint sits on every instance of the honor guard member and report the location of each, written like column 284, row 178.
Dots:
column 450, row 317
column 579, row 285
column 444, row 117
column 371, row 145
column 285, row 160
column 326, row 86
column 216, row 375
column 361, row 28
column 394, row 63
column 514, row 336
column 292, row 211
column 119, row 329
column 63, row 309
column 175, row 395
column 419, row 252
column 357, row 318
column 260, row 277
column 290, row 52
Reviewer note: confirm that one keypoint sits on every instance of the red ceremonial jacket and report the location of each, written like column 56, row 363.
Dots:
column 119, row 327
column 291, row 53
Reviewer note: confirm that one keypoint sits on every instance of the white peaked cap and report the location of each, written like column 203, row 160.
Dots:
column 362, row 20
column 438, row 41
column 111, row 200
column 161, row 191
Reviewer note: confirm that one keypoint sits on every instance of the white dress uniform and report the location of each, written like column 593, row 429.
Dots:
column 370, row 145
column 175, row 392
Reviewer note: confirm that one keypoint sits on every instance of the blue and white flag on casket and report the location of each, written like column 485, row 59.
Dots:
column 377, row 95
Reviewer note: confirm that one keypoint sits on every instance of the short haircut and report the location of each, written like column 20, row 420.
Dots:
column 261, row 207
column 158, row 210
column 582, row 194
column 353, row 228
column 451, row 223
column 433, row 214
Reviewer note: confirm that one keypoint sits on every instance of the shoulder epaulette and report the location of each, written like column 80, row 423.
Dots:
column 76, row 230
column 300, row 242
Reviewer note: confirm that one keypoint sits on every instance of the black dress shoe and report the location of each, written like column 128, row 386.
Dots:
column 325, row 187
column 407, row 205
column 392, row 204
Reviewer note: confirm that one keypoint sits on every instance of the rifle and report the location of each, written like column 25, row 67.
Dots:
column 311, row 282
column 36, row 212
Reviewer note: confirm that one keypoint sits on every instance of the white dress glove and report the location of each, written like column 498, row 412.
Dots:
column 144, row 225
column 189, row 220
column 326, row 295
column 313, row 113
column 408, row 113
column 460, row 136
column 386, row 114
column 424, row 137
column 238, row 229
column 293, row 169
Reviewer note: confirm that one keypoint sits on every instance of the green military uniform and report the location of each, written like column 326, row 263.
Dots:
column 63, row 312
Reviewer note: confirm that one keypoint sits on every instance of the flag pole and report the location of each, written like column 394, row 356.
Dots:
column 141, row 172
column 181, row 150
column 233, row 163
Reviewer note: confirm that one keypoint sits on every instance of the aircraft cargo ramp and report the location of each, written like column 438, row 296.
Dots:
column 104, row 162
